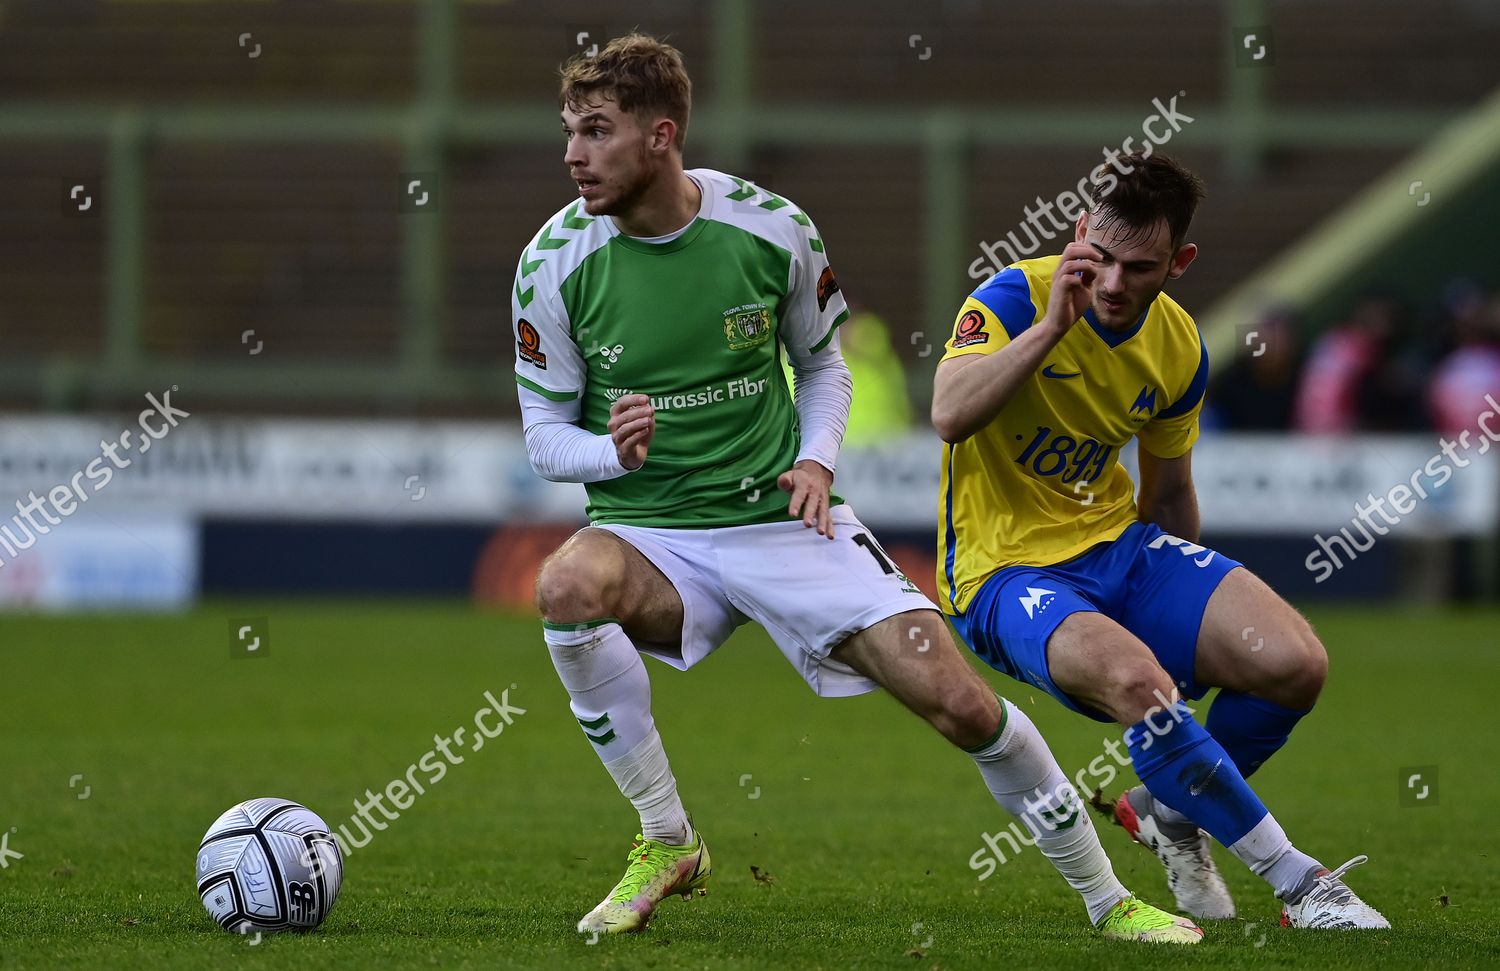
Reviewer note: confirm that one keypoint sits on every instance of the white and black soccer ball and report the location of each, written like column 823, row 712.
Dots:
column 269, row 865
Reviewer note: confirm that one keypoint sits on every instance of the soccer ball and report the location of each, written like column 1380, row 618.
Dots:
column 269, row 865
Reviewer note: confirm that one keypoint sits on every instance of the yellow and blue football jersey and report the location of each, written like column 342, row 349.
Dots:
column 1042, row 482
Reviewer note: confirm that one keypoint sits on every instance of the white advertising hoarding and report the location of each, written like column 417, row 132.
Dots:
column 96, row 561
column 288, row 469
column 1268, row 484
column 410, row 471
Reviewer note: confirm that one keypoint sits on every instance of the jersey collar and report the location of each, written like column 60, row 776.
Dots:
column 1114, row 338
column 681, row 239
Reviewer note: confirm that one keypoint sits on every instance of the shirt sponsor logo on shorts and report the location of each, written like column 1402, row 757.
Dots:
column 529, row 344
column 1033, row 601
column 970, row 330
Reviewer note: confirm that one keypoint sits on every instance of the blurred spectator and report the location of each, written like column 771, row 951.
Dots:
column 1456, row 394
column 881, row 408
column 1256, row 392
column 1355, row 381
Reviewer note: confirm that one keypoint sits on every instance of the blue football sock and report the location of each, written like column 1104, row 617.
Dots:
column 1182, row 766
column 1250, row 729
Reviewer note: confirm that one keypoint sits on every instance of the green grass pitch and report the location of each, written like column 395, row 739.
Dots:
column 860, row 813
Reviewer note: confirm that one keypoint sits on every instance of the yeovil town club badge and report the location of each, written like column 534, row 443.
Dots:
column 748, row 325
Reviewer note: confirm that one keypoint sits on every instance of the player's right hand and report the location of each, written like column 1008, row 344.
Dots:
column 1072, row 285
column 632, row 422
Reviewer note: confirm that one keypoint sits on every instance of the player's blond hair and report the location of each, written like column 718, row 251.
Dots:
column 641, row 74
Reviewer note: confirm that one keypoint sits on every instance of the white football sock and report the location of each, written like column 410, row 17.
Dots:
column 610, row 696
column 1270, row 854
column 645, row 778
column 1023, row 776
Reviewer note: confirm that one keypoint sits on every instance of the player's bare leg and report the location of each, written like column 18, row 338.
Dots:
column 597, row 570
column 595, row 594
column 1254, row 642
column 1100, row 664
column 913, row 657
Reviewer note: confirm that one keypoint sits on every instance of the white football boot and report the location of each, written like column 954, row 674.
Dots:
column 1182, row 850
column 1331, row 906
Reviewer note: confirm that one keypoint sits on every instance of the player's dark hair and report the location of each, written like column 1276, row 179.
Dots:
column 641, row 74
column 1152, row 187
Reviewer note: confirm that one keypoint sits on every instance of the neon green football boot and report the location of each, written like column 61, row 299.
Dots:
column 656, row 871
column 1132, row 919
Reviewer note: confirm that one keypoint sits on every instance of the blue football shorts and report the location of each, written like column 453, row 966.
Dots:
column 1148, row 581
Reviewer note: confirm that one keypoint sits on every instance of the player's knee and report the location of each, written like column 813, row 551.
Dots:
column 1135, row 689
column 572, row 588
column 969, row 717
column 1302, row 672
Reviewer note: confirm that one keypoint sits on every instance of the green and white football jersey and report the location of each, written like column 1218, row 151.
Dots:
column 695, row 323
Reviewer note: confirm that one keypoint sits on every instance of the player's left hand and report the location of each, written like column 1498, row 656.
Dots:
column 809, row 482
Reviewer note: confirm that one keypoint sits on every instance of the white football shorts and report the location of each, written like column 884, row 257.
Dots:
column 809, row 593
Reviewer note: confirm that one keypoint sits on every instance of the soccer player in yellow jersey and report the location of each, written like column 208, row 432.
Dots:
column 1054, row 573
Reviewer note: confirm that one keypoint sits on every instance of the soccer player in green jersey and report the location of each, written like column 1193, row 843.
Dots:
column 648, row 316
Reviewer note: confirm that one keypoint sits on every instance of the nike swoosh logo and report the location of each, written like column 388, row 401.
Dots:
column 1049, row 373
column 1196, row 789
